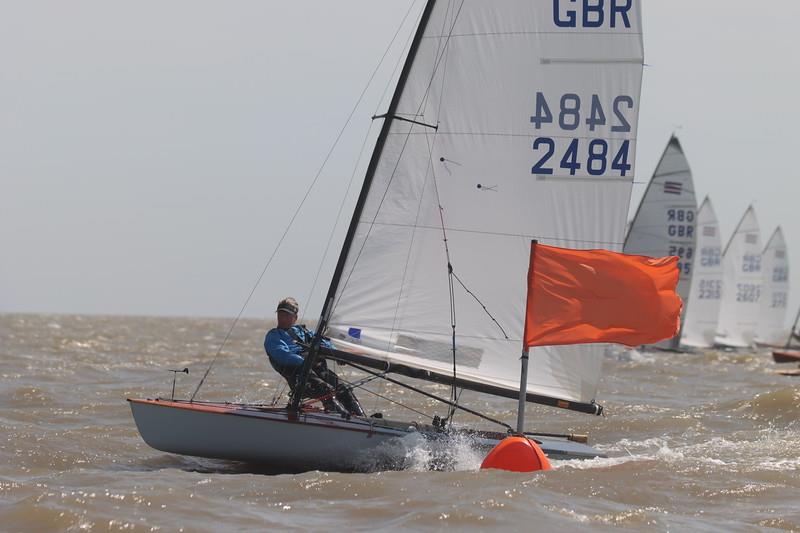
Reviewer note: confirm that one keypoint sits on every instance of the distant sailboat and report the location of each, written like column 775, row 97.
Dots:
column 666, row 220
column 787, row 354
column 511, row 121
column 702, row 308
column 774, row 292
column 741, row 287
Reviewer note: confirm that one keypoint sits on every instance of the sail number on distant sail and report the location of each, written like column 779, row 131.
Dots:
column 748, row 292
column 685, row 253
column 778, row 300
column 780, row 274
column 710, row 289
column 593, row 155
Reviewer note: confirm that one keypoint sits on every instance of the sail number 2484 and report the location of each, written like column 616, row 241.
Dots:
column 594, row 156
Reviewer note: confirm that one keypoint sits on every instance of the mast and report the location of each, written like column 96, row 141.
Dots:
column 485, row 79
column 523, row 380
column 791, row 331
column 327, row 307
column 373, row 164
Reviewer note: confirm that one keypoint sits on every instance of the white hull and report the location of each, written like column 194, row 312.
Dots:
column 313, row 441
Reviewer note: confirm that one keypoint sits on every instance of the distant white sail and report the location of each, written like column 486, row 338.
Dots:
column 517, row 121
column 774, row 292
column 741, row 286
column 702, row 309
column 665, row 221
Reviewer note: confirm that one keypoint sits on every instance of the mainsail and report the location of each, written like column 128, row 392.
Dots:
column 665, row 221
column 741, row 286
column 702, row 308
column 513, row 120
column 774, row 291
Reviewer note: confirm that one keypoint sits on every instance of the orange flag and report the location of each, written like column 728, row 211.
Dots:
column 585, row 296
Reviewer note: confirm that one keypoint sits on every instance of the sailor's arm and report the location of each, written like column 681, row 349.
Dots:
column 309, row 334
column 283, row 353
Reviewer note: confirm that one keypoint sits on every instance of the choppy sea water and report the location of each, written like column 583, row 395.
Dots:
column 707, row 441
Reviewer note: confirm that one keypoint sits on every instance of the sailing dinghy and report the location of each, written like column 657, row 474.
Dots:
column 665, row 222
column 705, row 295
column 741, row 287
column 774, row 293
column 512, row 120
column 787, row 354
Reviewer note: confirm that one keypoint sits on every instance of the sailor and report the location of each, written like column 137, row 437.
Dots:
column 285, row 346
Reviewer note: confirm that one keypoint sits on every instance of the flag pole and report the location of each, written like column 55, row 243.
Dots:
column 523, row 391
column 523, row 380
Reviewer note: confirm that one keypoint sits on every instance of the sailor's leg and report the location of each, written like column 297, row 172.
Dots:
column 343, row 393
column 348, row 399
column 316, row 387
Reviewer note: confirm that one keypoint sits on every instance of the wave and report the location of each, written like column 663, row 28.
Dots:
column 777, row 407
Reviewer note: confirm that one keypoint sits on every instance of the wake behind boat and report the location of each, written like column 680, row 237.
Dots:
column 511, row 121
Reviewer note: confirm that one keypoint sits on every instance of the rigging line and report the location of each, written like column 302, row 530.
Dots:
column 420, row 113
column 408, row 255
column 397, row 64
column 443, row 49
column 440, row 334
column 432, row 170
column 361, row 152
column 432, row 396
column 378, row 395
column 390, row 180
column 502, row 234
column 299, row 207
column 389, row 84
column 453, row 391
column 358, row 160
column 338, row 218
column 428, row 172
column 482, row 305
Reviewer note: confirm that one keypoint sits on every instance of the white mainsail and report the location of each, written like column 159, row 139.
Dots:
column 741, row 285
column 665, row 222
column 513, row 120
column 705, row 296
column 774, row 291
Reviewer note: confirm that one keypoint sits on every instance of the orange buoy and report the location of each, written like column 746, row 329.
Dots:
column 517, row 454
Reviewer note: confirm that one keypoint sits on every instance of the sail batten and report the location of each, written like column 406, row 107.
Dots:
column 524, row 149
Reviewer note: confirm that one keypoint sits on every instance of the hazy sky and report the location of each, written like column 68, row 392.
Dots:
column 152, row 152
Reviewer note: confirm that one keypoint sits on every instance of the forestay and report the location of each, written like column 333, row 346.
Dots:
column 774, row 292
column 524, row 127
column 665, row 221
column 741, row 285
column 705, row 295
